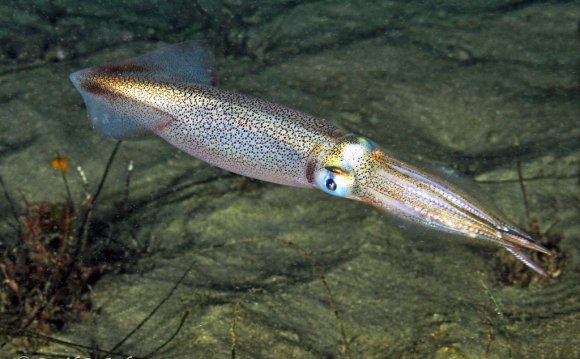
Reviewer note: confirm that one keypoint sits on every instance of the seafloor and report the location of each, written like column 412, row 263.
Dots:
column 291, row 273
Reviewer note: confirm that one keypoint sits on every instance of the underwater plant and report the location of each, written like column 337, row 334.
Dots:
column 511, row 271
column 46, row 272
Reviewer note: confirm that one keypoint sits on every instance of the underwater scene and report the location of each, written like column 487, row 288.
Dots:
column 171, row 175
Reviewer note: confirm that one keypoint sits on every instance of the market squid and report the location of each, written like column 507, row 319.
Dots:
column 171, row 92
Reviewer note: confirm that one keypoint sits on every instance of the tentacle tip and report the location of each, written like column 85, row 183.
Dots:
column 542, row 249
column 543, row 273
column 516, row 252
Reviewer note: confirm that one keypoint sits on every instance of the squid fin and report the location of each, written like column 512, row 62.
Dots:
column 119, row 117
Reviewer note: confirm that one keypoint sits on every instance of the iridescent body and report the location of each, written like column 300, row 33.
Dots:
column 170, row 92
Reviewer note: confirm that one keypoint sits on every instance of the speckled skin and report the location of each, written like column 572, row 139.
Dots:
column 239, row 133
column 270, row 142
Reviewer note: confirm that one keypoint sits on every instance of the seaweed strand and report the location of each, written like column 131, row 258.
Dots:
column 12, row 206
column 152, row 313
column 345, row 339
column 521, row 177
column 165, row 343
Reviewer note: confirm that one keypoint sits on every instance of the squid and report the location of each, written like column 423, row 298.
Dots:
column 172, row 93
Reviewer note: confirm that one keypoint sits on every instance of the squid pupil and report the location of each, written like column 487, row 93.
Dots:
column 330, row 184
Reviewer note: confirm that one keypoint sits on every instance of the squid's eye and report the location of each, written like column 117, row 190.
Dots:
column 334, row 181
column 330, row 184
